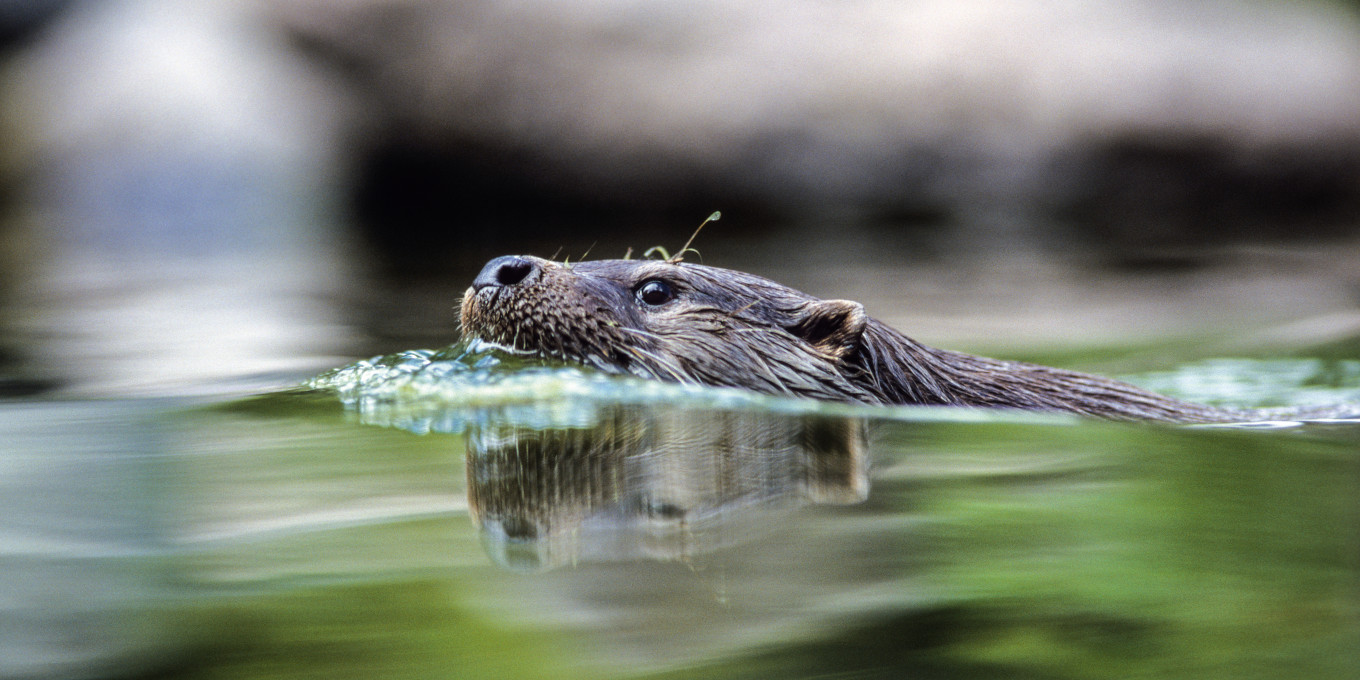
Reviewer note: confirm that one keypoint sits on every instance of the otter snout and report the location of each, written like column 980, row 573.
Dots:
column 507, row 270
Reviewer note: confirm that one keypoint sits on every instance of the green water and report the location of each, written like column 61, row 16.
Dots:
column 459, row 514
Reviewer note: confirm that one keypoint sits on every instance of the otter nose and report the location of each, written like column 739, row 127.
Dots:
column 507, row 270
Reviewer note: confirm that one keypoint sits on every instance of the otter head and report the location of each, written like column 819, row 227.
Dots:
column 673, row 321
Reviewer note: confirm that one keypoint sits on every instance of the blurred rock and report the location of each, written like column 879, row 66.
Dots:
column 1199, row 120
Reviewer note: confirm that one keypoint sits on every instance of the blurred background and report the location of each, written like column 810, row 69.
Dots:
column 210, row 197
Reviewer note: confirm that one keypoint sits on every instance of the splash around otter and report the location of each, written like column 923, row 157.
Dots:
column 693, row 323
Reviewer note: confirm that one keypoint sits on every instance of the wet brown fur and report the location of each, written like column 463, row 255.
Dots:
column 732, row 329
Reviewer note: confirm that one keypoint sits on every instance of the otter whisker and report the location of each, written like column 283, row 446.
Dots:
column 514, row 342
column 656, row 363
column 654, row 338
column 509, row 349
column 669, row 366
column 662, row 363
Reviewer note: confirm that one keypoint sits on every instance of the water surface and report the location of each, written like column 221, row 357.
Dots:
column 459, row 514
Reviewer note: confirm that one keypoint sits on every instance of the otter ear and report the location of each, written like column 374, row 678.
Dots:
column 832, row 326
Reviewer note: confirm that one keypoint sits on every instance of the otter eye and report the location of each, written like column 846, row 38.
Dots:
column 655, row 292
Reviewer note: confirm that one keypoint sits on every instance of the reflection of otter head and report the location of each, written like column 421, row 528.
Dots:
column 651, row 481
column 674, row 321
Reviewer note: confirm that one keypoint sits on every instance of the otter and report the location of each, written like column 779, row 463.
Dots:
column 692, row 323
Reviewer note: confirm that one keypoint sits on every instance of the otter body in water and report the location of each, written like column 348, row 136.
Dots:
column 697, row 324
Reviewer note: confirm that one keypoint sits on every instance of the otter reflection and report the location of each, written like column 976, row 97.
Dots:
column 662, row 484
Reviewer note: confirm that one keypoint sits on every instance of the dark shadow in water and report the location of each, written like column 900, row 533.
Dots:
column 646, row 482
